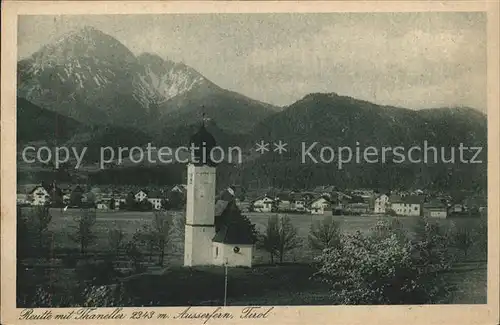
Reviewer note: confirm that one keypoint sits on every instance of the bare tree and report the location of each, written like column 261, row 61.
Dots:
column 280, row 237
column 269, row 240
column 177, row 232
column 84, row 233
column 324, row 234
column 162, row 225
column 156, row 235
column 134, row 255
column 115, row 241
column 145, row 238
column 39, row 223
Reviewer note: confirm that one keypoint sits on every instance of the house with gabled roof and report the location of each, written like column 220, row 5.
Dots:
column 340, row 199
column 320, row 204
column 39, row 195
column 102, row 205
column 181, row 188
column 141, row 195
column 155, row 198
column 410, row 205
column 324, row 190
column 435, row 209
column 381, row 204
column 263, row 204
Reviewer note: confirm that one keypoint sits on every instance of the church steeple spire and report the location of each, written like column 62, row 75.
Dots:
column 204, row 141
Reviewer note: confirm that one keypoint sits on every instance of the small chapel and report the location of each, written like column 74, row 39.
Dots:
column 215, row 232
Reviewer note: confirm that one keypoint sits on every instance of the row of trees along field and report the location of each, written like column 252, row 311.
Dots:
column 388, row 264
column 281, row 236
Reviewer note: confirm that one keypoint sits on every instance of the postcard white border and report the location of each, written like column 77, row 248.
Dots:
column 428, row 314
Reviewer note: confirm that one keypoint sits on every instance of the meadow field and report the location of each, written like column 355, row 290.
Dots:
column 64, row 223
column 468, row 277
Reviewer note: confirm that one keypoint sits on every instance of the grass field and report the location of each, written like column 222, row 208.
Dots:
column 63, row 223
column 469, row 277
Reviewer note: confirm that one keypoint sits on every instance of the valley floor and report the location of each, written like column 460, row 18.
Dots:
column 287, row 284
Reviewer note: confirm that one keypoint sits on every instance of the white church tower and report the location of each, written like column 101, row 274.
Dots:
column 200, row 202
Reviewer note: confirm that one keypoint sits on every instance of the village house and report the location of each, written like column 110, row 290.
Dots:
column 357, row 207
column 476, row 204
column 435, row 209
column 401, row 194
column 381, row 204
column 104, row 197
column 324, row 190
column 409, row 205
column 364, row 193
column 141, row 196
column 340, row 200
column 320, row 205
column 39, row 196
column 457, row 208
column 66, row 198
column 298, row 204
column 102, row 205
column 22, row 199
column 180, row 188
column 263, row 204
column 120, row 201
column 155, row 198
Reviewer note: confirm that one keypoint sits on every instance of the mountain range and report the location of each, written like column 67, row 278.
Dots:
column 93, row 78
column 88, row 89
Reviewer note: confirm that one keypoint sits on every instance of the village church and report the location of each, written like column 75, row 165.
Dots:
column 212, row 234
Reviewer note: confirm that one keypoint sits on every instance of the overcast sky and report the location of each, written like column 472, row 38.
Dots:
column 415, row 60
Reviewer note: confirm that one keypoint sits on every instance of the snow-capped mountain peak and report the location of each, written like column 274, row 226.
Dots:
column 93, row 78
column 160, row 80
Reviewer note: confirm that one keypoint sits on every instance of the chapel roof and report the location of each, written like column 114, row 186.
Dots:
column 233, row 235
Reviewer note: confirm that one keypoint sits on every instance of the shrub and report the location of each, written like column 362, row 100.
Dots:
column 105, row 296
column 382, row 267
